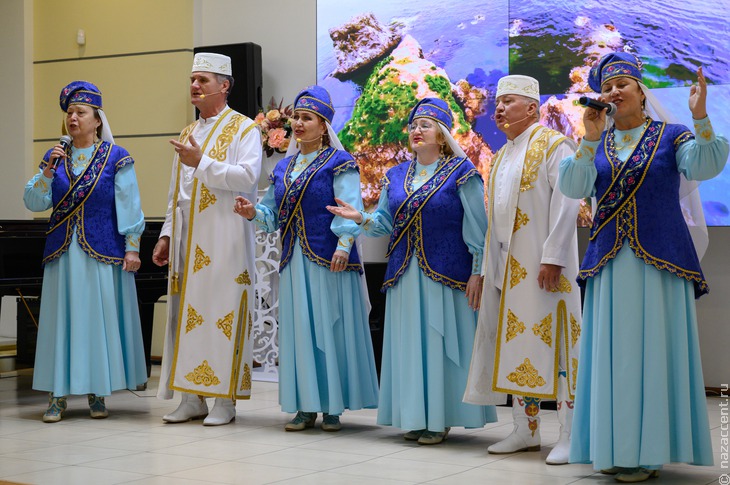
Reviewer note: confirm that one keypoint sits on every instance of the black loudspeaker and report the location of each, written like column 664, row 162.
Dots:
column 245, row 97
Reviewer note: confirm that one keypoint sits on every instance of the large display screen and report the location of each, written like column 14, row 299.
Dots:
column 377, row 58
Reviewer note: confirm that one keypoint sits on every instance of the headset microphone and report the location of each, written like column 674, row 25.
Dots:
column 203, row 95
column 507, row 125
column 299, row 140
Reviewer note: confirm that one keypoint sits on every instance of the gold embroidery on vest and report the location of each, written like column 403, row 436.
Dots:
column 574, row 329
column 533, row 159
column 544, row 329
column 526, row 375
column 243, row 278
column 575, row 372
column 517, row 272
column 226, row 324
column 194, row 319
column 521, row 219
column 203, row 374
column 514, row 326
column 564, row 285
column 200, row 259
column 206, row 198
column 246, row 381
column 220, row 149
column 250, row 325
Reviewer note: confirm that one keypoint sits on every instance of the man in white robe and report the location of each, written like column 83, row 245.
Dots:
column 208, row 350
column 529, row 322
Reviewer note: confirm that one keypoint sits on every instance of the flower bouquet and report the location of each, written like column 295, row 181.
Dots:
column 275, row 124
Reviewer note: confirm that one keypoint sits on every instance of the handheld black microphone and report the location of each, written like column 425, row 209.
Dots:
column 65, row 142
column 587, row 102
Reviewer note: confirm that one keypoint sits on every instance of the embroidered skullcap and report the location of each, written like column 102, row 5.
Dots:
column 211, row 62
column 80, row 92
column 614, row 64
column 518, row 84
column 315, row 99
column 432, row 108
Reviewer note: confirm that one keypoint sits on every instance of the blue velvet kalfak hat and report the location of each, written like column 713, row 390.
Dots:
column 315, row 99
column 615, row 64
column 433, row 108
column 80, row 92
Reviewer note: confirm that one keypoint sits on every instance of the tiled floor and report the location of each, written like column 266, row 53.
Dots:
column 134, row 446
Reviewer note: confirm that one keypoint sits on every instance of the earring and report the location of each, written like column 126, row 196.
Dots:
column 441, row 150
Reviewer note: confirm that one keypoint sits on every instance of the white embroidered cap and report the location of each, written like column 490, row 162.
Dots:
column 210, row 62
column 517, row 84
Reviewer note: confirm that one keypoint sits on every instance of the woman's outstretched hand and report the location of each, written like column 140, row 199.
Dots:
column 345, row 210
column 244, row 208
column 698, row 97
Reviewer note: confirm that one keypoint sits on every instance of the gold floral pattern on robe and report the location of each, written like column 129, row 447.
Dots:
column 206, row 198
column 244, row 278
column 574, row 330
column 544, row 329
column 246, row 381
column 201, row 259
column 526, row 375
column 226, row 325
column 517, row 272
column 521, row 219
column 220, row 149
column 533, row 160
column 203, row 374
column 514, row 326
column 564, row 285
column 194, row 319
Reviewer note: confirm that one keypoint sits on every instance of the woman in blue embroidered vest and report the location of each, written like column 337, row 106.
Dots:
column 89, row 335
column 325, row 349
column 640, row 399
column 433, row 209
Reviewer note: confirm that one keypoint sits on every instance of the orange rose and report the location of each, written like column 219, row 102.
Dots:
column 276, row 137
column 273, row 115
column 284, row 144
column 259, row 118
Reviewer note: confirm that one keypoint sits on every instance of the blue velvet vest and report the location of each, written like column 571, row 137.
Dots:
column 302, row 213
column 638, row 202
column 428, row 222
column 87, row 204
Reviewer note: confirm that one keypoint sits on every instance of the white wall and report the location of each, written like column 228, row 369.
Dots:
column 285, row 30
column 16, row 58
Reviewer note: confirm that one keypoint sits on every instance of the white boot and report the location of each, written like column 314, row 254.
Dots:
column 191, row 407
column 526, row 433
column 224, row 411
column 561, row 451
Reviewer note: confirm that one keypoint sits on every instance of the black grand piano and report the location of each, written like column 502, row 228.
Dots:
column 21, row 271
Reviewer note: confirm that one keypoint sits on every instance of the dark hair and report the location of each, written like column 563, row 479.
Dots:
column 101, row 123
column 326, row 135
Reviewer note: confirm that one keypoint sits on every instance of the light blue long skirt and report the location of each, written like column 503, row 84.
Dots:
column 326, row 361
column 89, row 333
column 640, row 397
column 429, row 335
